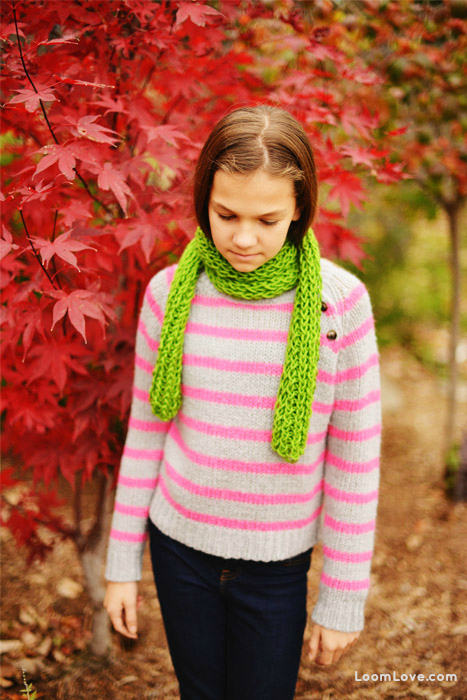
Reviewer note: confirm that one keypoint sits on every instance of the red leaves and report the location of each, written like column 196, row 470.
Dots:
column 63, row 247
column 110, row 179
column 198, row 14
column 31, row 98
column 104, row 184
column 81, row 303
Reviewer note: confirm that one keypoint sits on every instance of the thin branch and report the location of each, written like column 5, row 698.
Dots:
column 56, row 277
column 93, row 196
column 30, row 79
column 35, row 251
column 96, row 199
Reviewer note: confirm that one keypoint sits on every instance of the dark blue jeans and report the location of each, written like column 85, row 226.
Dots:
column 234, row 627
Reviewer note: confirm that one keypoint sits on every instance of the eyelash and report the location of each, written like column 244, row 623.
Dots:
column 229, row 217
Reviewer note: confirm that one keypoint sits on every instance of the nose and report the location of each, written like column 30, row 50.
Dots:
column 244, row 237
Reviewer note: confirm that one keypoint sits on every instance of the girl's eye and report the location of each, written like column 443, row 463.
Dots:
column 226, row 217
column 269, row 223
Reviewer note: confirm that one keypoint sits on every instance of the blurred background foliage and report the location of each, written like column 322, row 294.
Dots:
column 407, row 272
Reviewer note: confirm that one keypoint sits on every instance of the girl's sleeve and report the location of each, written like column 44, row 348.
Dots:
column 351, row 474
column 143, row 450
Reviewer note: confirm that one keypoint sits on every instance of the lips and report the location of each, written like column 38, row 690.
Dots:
column 244, row 256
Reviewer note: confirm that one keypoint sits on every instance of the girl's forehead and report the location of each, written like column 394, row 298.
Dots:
column 258, row 187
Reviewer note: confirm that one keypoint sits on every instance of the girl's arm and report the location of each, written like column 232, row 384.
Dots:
column 143, row 448
column 351, row 473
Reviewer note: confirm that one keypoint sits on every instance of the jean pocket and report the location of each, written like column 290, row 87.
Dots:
column 298, row 559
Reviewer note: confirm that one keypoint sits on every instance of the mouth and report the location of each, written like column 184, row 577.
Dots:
column 244, row 256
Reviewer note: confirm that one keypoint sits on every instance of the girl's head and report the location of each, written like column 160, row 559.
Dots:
column 259, row 140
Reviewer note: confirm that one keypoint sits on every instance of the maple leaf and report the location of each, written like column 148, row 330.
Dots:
column 86, row 127
column 78, row 304
column 113, row 105
column 198, row 14
column 53, row 360
column 31, row 98
column 65, row 157
column 110, row 178
column 167, row 132
column 364, row 156
column 6, row 243
column 40, row 192
column 62, row 246
column 348, row 190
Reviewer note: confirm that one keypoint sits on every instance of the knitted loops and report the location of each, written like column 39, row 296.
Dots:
column 289, row 268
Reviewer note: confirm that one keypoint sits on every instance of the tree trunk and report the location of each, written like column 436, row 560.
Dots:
column 453, row 218
column 92, row 548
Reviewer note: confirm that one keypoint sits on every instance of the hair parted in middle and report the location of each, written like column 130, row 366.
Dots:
column 264, row 138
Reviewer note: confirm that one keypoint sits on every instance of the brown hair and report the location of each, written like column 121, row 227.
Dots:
column 259, row 138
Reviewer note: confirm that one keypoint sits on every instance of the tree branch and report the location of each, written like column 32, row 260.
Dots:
column 35, row 251
column 29, row 77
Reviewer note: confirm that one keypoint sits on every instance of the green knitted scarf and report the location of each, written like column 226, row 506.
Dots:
column 290, row 267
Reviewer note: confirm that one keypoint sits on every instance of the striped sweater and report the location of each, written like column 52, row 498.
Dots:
column 210, row 479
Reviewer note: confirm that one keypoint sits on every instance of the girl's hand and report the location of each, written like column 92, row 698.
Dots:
column 327, row 646
column 121, row 602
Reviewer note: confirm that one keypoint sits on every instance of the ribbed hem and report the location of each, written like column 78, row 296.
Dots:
column 337, row 613
column 124, row 563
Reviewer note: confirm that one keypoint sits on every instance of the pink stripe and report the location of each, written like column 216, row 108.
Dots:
column 349, row 374
column 249, row 334
column 351, row 338
column 232, row 366
column 241, row 496
column 349, row 497
column 151, row 426
column 228, row 303
column 143, row 454
column 228, row 398
column 155, row 308
column 343, row 306
column 131, row 510
column 153, row 345
column 233, row 523
column 349, row 528
column 355, row 435
column 325, row 408
column 367, row 400
column 352, row 467
column 237, row 433
column 140, row 394
column 239, row 466
column 128, row 536
column 143, row 364
column 347, row 557
column 345, row 585
column 135, row 483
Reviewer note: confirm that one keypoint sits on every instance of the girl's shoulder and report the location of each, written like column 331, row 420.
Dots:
column 159, row 284
column 343, row 292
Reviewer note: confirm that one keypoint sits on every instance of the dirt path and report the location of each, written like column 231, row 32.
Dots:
column 416, row 614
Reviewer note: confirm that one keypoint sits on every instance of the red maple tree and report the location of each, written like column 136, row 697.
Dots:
column 106, row 105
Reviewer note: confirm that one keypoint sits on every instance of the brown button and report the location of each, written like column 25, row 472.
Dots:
column 324, row 306
column 331, row 335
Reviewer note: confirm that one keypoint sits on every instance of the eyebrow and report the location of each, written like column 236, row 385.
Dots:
column 279, row 212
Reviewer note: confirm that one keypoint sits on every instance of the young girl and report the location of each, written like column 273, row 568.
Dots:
column 254, row 429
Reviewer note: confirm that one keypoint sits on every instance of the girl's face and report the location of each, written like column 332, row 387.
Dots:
column 250, row 216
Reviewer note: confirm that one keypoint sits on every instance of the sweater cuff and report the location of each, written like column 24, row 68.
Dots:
column 124, row 563
column 337, row 613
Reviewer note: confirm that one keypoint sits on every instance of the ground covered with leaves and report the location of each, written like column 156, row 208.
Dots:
column 416, row 621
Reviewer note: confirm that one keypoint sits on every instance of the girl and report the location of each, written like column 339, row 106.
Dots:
column 254, row 429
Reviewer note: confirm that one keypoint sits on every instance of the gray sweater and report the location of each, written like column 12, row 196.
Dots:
column 210, row 479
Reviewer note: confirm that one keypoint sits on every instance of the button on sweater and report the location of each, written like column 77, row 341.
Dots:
column 210, row 479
